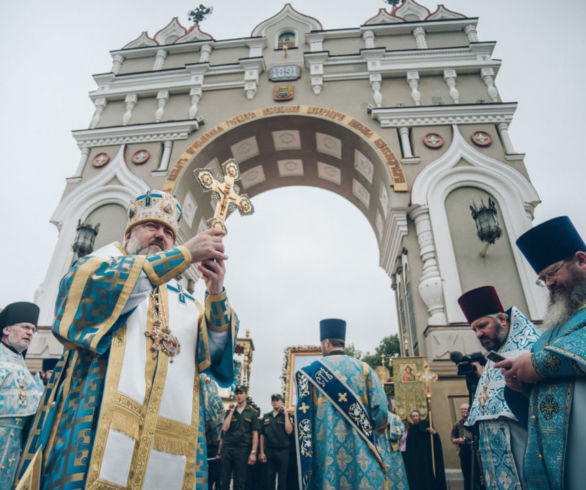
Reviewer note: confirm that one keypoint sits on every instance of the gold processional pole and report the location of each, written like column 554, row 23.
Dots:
column 428, row 377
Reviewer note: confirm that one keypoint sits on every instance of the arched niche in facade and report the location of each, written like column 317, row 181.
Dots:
column 459, row 167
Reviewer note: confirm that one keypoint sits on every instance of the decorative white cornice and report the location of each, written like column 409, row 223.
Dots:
column 383, row 17
column 442, row 13
column 411, row 8
column 149, row 83
column 173, row 30
column 287, row 14
column 141, row 41
column 441, row 115
column 139, row 133
column 194, row 33
column 465, row 59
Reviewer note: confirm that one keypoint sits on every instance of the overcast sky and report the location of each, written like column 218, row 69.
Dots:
column 317, row 255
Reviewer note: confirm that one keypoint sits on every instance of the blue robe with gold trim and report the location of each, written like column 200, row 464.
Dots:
column 341, row 458
column 118, row 414
column 19, row 396
column 394, row 459
column 501, row 437
column 556, row 442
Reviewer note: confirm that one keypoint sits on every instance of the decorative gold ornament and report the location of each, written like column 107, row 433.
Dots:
column 161, row 336
column 225, row 191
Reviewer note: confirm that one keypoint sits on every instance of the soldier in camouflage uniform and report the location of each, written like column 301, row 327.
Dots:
column 239, row 442
column 274, row 442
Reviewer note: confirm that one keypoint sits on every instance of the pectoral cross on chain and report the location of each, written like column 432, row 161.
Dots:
column 225, row 191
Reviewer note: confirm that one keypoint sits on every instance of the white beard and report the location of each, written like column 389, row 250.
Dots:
column 14, row 343
column 564, row 304
column 558, row 312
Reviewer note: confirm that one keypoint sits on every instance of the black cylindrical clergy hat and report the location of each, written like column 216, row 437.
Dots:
column 480, row 302
column 332, row 328
column 550, row 242
column 19, row 312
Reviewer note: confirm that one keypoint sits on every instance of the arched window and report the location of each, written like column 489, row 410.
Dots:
column 286, row 40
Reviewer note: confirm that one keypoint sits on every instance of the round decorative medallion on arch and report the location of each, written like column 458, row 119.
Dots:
column 433, row 141
column 101, row 160
column 140, row 157
column 481, row 138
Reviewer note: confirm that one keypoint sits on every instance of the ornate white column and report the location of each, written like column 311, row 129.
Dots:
column 100, row 104
column 162, row 99
column 205, row 53
column 487, row 75
column 471, row 32
column 368, row 37
column 413, row 81
column 506, row 138
column 405, row 142
column 130, row 103
column 160, row 59
column 430, row 283
column 165, row 157
column 195, row 94
column 419, row 33
column 116, row 63
column 85, row 151
column 450, row 78
column 375, row 83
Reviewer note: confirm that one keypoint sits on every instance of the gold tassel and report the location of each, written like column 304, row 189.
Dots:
column 169, row 444
column 127, row 423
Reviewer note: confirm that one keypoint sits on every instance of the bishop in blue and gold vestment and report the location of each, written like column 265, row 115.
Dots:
column 19, row 391
column 124, row 407
column 555, row 370
column 502, row 437
column 340, row 419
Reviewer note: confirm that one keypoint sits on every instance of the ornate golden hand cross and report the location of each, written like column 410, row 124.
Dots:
column 225, row 191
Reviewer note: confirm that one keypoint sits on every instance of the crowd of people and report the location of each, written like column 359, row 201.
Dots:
column 134, row 402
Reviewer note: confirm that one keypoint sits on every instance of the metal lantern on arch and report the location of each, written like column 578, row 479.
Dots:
column 85, row 238
column 487, row 223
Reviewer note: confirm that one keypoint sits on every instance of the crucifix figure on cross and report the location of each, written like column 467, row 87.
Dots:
column 225, row 191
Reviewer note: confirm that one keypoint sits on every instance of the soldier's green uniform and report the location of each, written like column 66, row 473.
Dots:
column 276, row 448
column 236, row 448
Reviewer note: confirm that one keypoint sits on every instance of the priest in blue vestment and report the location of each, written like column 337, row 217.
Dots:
column 340, row 419
column 19, row 391
column 555, row 369
column 502, row 438
column 124, row 409
column 395, row 464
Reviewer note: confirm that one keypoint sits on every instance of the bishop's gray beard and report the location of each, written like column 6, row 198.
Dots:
column 563, row 304
column 135, row 247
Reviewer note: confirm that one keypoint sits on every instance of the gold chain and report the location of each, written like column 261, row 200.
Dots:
column 161, row 335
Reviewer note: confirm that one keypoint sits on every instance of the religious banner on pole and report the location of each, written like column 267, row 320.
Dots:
column 409, row 387
column 225, row 191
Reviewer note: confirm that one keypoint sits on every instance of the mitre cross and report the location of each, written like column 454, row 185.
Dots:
column 225, row 191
